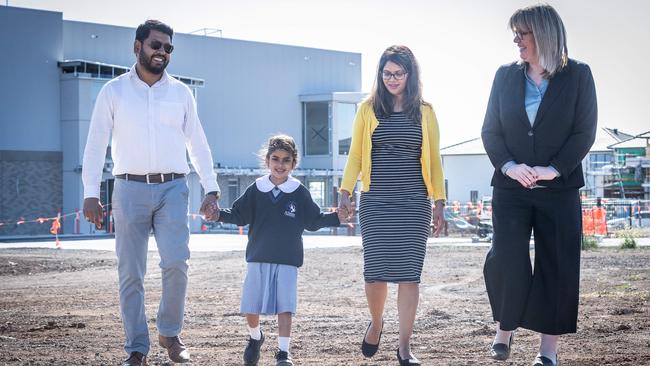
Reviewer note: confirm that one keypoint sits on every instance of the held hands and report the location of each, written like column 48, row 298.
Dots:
column 345, row 209
column 93, row 211
column 342, row 214
column 528, row 176
column 210, row 208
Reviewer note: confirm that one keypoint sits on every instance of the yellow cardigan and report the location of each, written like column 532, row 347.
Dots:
column 359, row 157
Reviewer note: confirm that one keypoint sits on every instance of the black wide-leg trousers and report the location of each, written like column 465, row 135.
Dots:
column 544, row 297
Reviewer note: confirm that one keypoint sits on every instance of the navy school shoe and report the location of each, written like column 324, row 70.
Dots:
column 545, row 361
column 283, row 358
column 367, row 349
column 252, row 351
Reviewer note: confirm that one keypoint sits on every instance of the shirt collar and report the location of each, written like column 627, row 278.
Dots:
column 542, row 85
column 134, row 74
column 264, row 184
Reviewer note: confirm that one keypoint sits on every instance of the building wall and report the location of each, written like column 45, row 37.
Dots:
column 30, row 43
column 30, row 133
column 465, row 173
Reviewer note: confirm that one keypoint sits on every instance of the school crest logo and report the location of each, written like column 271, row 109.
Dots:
column 290, row 209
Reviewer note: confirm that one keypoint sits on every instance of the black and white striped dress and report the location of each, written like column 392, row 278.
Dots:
column 395, row 213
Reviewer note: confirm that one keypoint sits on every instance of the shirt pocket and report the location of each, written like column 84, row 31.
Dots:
column 171, row 114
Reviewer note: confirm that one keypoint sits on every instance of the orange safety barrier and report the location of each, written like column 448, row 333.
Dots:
column 587, row 223
column 594, row 221
column 599, row 215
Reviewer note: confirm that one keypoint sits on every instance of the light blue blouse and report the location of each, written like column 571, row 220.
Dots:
column 533, row 98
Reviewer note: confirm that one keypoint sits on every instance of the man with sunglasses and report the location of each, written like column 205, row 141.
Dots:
column 153, row 121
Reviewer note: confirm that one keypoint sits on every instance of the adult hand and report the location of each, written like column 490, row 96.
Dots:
column 345, row 206
column 545, row 173
column 210, row 208
column 523, row 174
column 438, row 216
column 93, row 211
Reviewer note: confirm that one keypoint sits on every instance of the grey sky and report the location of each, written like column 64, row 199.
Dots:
column 459, row 43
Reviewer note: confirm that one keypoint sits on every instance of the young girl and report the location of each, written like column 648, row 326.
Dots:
column 278, row 208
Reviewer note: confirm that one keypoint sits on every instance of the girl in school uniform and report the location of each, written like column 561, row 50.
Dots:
column 277, row 208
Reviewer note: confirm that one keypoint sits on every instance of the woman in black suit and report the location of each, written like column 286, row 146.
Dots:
column 539, row 125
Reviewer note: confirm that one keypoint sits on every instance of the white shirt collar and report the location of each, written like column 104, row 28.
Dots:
column 264, row 184
column 133, row 73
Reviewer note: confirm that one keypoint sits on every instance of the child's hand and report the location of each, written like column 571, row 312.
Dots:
column 214, row 211
column 210, row 208
column 343, row 214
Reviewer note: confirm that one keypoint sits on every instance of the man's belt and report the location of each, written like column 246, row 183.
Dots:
column 152, row 178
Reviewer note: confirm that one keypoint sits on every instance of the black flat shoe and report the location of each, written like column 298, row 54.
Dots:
column 367, row 349
column 408, row 361
column 501, row 351
column 545, row 361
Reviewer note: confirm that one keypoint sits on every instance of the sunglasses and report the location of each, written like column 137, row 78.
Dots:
column 156, row 45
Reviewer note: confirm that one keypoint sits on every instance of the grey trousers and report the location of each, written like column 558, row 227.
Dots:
column 138, row 208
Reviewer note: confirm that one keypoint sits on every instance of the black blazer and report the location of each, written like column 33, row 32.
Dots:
column 564, row 128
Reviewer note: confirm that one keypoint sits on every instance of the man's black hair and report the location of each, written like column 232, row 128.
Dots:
column 145, row 28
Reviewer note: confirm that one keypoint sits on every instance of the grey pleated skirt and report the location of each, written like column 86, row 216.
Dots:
column 269, row 289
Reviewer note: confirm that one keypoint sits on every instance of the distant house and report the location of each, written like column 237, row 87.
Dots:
column 629, row 173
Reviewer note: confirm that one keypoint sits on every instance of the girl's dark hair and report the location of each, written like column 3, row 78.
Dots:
column 280, row 142
column 145, row 28
column 382, row 99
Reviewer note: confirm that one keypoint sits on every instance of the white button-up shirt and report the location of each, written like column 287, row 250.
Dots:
column 151, row 129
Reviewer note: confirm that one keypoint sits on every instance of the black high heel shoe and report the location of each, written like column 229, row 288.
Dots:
column 501, row 351
column 367, row 349
column 408, row 361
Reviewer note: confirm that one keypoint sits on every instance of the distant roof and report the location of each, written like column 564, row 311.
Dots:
column 469, row 147
column 641, row 140
column 605, row 137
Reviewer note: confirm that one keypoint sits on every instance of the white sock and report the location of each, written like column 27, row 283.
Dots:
column 502, row 336
column 283, row 343
column 255, row 333
column 548, row 347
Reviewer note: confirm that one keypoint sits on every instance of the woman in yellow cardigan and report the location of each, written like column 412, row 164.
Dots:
column 395, row 151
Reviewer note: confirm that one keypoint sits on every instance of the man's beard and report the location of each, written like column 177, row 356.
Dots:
column 147, row 64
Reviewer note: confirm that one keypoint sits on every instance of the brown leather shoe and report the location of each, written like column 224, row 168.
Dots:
column 175, row 348
column 136, row 359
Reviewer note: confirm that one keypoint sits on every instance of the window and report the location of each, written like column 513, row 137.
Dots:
column 344, row 120
column 316, row 128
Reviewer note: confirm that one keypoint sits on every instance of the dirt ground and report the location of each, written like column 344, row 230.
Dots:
column 61, row 307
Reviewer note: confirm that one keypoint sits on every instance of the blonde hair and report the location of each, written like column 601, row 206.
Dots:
column 548, row 32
